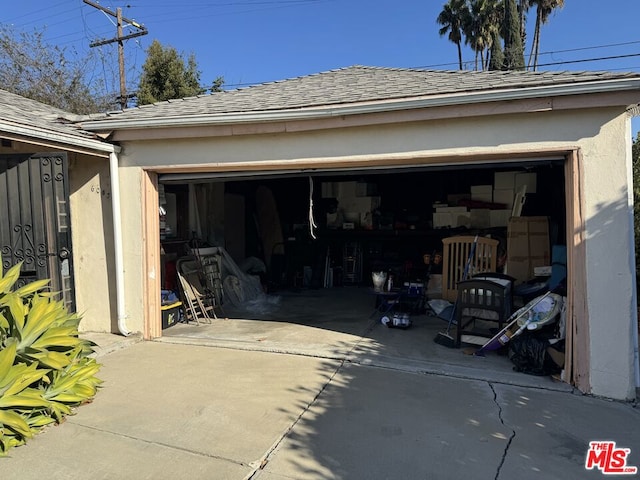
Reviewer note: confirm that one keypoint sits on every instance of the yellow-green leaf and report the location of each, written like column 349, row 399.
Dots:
column 60, row 384
column 7, row 442
column 16, row 308
column 26, row 399
column 41, row 316
column 4, row 323
column 38, row 421
column 9, row 278
column 54, row 360
column 24, row 377
column 69, row 398
column 7, row 357
column 32, row 287
column 86, row 391
column 59, row 410
column 15, row 422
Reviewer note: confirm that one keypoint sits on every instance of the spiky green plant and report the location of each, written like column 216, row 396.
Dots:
column 45, row 368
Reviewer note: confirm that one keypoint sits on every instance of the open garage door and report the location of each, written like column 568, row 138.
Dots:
column 379, row 219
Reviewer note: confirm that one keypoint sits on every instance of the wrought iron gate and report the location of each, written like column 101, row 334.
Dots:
column 35, row 225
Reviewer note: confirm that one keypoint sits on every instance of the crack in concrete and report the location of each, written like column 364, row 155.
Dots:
column 262, row 463
column 160, row 444
column 511, row 437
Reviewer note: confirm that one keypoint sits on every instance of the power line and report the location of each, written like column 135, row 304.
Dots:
column 582, row 60
column 119, row 38
column 563, row 62
column 595, row 47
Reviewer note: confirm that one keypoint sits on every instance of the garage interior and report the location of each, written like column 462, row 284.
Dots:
column 314, row 240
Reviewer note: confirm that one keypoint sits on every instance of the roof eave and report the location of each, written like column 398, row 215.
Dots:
column 313, row 113
column 26, row 132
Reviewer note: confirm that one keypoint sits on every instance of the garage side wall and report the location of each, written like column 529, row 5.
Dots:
column 92, row 236
column 599, row 133
column 610, row 260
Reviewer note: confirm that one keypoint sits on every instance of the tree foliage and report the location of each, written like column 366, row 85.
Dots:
column 513, row 49
column 452, row 20
column 47, row 73
column 166, row 76
column 485, row 24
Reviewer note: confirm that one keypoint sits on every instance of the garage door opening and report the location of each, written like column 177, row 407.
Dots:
column 320, row 290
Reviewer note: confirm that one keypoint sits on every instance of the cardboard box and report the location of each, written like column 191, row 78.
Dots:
column 442, row 220
column 347, row 189
column 482, row 193
column 462, row 219
column 499, row 218
column 528, row 179
column 451, row 219
column 365, row 189
column 480, row 218
column 451, row 209
column 504, row 196
column 434, row 286
column 527, row 246
column 504, row 180
column 359, row 205
column 329, row 190
column 455, row 198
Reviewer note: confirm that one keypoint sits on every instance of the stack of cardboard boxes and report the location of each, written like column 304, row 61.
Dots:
column 356, row 202
column 503, row 193
column 528, row 247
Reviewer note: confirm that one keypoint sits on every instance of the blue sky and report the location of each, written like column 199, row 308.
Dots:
column 254, row 41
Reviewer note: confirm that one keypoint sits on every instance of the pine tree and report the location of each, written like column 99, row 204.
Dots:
column 497, row 55
column 166, row 76
column 513, row 50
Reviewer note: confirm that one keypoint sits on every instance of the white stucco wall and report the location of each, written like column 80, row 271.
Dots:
column 602, row 134
column 92, row 238
column 610, row 262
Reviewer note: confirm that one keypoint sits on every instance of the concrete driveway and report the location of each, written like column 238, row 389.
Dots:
column 345, row 407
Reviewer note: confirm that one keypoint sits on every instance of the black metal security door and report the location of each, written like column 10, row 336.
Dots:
column 35, row 225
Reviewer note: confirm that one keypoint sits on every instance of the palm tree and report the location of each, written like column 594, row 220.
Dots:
column 493, row 13
column 452, row 20
column 481, row 28
column 544, row 8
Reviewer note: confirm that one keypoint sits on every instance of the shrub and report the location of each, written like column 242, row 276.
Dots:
column 45, row 368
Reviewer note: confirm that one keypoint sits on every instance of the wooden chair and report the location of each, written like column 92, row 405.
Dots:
column 483, row 301
column 454, row 258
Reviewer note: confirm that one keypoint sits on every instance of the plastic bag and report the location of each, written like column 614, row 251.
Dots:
column 528, row 353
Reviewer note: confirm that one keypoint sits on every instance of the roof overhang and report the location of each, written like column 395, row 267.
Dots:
column 616, row 86
column 53, row 139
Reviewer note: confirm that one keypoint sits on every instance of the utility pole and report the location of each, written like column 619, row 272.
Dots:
column 119, row 38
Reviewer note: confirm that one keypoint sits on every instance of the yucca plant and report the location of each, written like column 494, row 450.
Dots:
column 45, row 368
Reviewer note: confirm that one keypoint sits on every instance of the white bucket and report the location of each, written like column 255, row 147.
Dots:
column 379, row 279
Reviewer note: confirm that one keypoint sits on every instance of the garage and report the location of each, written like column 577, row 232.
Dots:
column 379, row 220
column 419, row 145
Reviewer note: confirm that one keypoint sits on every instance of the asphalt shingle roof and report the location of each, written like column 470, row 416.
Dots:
column 357, row 84
column 22, row 111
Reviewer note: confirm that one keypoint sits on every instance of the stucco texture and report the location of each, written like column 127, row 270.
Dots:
column 602, row 135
